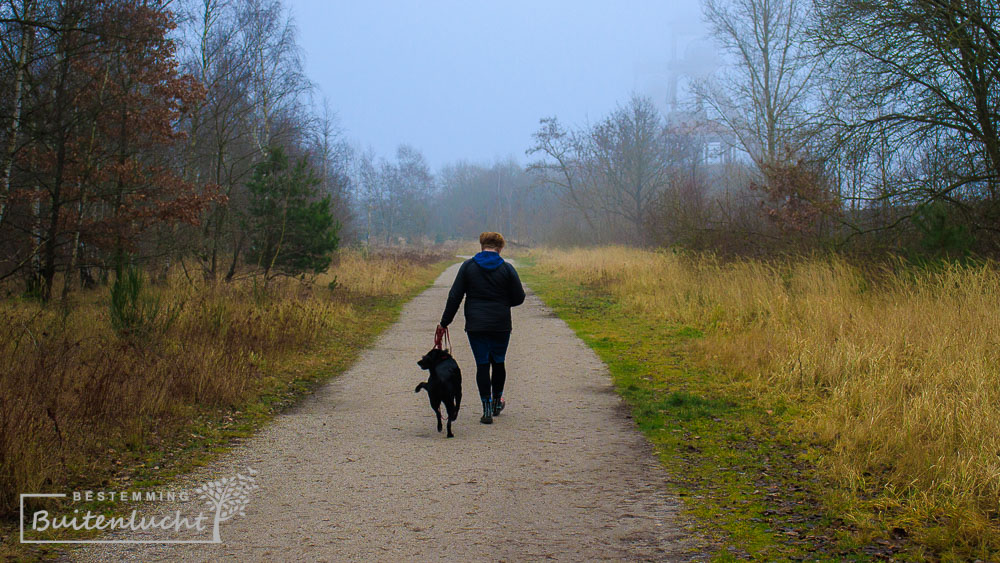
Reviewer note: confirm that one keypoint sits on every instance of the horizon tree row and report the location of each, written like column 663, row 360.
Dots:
column 854, row 124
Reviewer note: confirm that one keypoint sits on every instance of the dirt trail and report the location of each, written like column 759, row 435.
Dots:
column 358, row 472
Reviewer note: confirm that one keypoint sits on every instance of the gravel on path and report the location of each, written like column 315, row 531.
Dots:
column 358, row 472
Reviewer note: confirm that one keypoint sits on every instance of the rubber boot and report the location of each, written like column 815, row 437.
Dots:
column 487, row 412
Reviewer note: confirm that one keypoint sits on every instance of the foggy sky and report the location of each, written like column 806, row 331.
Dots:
column 470, row 79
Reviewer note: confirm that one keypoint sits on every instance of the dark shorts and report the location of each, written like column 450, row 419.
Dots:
column 489, row 347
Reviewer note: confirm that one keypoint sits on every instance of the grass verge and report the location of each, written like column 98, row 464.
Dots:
column 748, row 473
column 280, row 343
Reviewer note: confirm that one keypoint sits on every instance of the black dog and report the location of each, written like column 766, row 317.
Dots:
column 443, row 385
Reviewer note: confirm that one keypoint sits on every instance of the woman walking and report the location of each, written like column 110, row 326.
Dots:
column 490, row 287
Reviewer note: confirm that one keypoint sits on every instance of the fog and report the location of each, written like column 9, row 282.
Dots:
column 470, row 80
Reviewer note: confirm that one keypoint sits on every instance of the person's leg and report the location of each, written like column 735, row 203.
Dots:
column 499, row 378
column 498, row 353
column 483, row 381
column 481, row 351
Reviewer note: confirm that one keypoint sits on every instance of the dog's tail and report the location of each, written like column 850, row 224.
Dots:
column 420, row 386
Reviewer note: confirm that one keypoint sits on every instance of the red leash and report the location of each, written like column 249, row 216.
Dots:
column 440, row 337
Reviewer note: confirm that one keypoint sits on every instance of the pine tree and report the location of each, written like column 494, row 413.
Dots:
column 291, row 227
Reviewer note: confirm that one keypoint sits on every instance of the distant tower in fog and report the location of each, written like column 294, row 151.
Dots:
column 665, row 79
column 698, row 61
column 673, row 69
column 658, row 77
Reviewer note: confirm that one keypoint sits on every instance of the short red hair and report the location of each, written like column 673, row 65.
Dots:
column 491, row 240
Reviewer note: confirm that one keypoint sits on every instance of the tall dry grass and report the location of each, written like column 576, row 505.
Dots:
column 71, row 388
column 898, row 366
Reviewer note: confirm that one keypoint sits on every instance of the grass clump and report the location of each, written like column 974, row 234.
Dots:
column 135, row 313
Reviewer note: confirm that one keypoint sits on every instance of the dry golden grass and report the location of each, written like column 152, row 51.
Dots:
column 898, row 367
column 357, row 274
column 71, row 389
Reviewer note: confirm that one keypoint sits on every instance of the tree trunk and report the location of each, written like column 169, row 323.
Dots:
column 55, row 205
column 236, row 256
column 74, row 251
column 27, row 40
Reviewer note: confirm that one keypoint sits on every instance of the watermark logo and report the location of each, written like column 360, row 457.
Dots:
column 223, row 499
column 228, row 497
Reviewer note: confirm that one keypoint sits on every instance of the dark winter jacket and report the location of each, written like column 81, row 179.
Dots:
column 490, row 287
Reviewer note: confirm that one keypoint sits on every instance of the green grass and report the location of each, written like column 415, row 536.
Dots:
column 747, row 483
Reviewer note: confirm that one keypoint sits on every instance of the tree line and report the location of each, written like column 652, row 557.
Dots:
column 160, row 133
column 185, row 134
column 400, row 201
column 857, row 124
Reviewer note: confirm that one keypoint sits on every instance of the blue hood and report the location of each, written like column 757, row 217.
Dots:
column 488, row 260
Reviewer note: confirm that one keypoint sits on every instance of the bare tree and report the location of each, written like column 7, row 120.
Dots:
column 762, row 96
column 610, row 173
column 561, row 167
column 628, row 153
column 277, row 82
column 110, row 153
column 413, row 191
column 333, row 155
column 924, row 87
column 394, row 195
column 683, row 211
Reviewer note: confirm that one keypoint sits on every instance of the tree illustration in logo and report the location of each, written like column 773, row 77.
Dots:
column 228, row 497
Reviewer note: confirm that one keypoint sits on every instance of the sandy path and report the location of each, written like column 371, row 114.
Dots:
column 358, row 472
